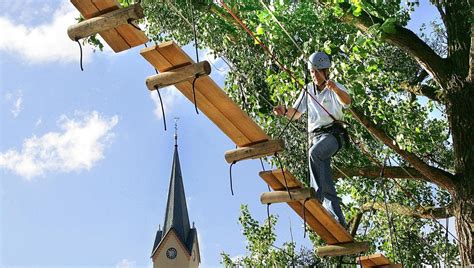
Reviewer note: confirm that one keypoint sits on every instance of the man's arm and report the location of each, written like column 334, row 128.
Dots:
column 288, row 112
column 341, row 94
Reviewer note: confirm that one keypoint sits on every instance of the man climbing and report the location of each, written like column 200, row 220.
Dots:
column 327, row 135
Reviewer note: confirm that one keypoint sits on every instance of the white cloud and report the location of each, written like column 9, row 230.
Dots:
column 79, row 145
column 170, row 97
column 39, row 121
column 47, row 42
column 125, row 264
column 15, row 99
column 17, row 106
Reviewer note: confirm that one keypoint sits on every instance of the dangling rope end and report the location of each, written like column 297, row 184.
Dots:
column 162, row 107
column 230, row 178
column 80, row 50
column 194, row 94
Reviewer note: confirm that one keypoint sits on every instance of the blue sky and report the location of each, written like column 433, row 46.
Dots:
column 84, row 159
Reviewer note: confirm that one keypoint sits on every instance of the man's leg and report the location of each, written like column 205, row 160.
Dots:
column 324, row 147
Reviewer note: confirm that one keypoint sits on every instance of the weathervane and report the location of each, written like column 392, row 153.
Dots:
column 176, row 131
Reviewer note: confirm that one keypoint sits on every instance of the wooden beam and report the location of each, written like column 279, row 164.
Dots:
column 343, row 249
column 210, row 98
column 253, row 151
column 283, row 196
column 105, row 22
column 324, row 224
column 376, row 260
column 175, row 76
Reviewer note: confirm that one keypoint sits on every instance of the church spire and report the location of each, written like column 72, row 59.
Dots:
column 176, row 223
column 176, row 214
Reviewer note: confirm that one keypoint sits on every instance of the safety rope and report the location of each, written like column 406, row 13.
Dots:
column 267, row 50
column 284, row 176
column 281, row 26
column 197, row 54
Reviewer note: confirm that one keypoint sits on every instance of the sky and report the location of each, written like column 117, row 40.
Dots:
column 84, row 159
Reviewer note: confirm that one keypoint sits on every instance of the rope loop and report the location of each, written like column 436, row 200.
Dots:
column 194, row 94
column 80, row 51
column 230, row 177
column 162, row 107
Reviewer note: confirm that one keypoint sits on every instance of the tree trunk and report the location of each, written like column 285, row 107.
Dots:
column 460, row 111
column 464, row 215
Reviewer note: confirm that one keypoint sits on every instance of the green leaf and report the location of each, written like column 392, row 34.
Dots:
column 389, row 26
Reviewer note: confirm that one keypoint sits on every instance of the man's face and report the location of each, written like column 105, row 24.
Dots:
column 318, row 76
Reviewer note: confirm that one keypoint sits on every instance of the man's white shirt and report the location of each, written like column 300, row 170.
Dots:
column 327, row 98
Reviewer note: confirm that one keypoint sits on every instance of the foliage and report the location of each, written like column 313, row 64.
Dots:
column 370, row 69
column 260, row 240
column 373, row 72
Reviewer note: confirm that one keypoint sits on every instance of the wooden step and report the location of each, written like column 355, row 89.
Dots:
column 175, row 76
column 317, row 217
column 120, row 37
column 211, row 100
column 295, row 195
column 376, row 260
column 343, row 249
column 254, row 151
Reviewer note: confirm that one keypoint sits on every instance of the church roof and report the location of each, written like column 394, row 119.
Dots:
column 176, row 214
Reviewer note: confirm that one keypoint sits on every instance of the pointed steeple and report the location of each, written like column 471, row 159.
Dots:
column 176, row 215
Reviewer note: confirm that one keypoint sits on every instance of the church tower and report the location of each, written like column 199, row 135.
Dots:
column 177, row 244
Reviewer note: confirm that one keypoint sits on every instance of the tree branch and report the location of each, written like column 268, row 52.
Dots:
column 424, row 213
column 374, row 172
column 403, row 38
column 355, row 222
column 423, row 90
column 431, row 174
column 441, row 11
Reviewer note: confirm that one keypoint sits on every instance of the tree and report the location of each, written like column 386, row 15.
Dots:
column 260, row 239
column 397, row 81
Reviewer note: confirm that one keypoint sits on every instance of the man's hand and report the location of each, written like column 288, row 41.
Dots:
column 341, row 94
column 331, row 85
column 280, row 110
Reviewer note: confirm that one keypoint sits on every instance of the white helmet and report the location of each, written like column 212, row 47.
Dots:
column 319, row 60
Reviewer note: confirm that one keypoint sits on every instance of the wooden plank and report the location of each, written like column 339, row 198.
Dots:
column 376, row 260
column 314, row 224
column 211, row 100
column 106, row 21
column 86, row 8
column 217, row 97
column 314, row 206
column 120, row 38
column 132, row 36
